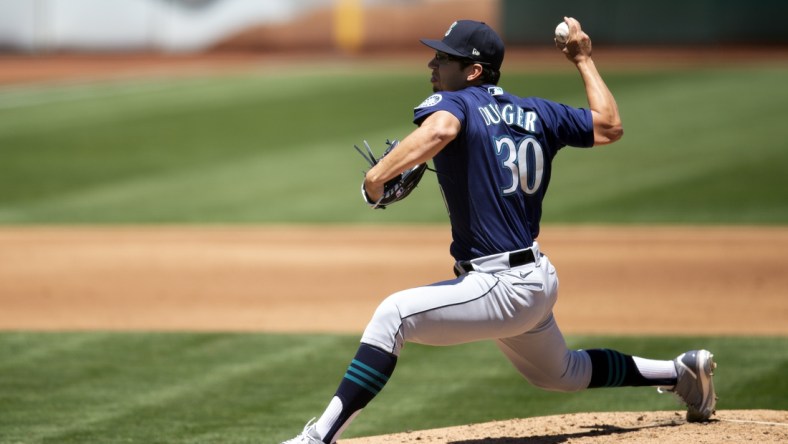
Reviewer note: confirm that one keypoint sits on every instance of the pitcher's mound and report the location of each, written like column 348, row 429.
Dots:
column 728, row 426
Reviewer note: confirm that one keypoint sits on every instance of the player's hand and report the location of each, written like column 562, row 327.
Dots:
column 578, row 45
column 379, row 195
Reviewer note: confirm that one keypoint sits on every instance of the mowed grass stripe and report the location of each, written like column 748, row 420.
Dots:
column 52, row 107
column 192, row 192
column 236, row 388
column 25, row 350
column 115, row 380
column 243, row 188
column 695, row 142
column 120, row 142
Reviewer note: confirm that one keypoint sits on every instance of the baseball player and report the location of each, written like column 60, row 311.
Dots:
column 493, row 153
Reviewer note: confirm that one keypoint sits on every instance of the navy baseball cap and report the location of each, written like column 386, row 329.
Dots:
column 469, row 39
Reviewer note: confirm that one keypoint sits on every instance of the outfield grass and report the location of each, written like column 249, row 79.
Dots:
column 701, row 146
column 244, row 388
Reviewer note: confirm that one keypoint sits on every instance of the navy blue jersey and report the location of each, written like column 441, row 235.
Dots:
column 495, row 174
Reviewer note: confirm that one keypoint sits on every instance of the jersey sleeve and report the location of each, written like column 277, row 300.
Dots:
column 440, row 102
column 570, row 126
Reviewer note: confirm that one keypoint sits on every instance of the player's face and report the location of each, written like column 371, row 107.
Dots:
column 448, row 73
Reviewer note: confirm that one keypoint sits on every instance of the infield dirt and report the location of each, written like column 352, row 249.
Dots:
column 614, row 280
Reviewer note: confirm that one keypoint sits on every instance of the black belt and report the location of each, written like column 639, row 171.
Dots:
column 516, row 258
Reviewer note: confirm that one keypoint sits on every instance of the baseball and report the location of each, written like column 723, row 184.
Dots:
column 562, row 32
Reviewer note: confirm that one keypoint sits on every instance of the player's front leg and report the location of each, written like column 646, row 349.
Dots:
column 367, row 374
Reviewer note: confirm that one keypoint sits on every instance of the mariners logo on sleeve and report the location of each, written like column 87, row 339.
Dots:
column 430, row 101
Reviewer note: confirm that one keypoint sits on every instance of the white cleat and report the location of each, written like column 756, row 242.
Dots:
column 307, row 436
column 694, row 384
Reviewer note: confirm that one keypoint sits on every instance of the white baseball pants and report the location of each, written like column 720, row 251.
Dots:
column 512, row 306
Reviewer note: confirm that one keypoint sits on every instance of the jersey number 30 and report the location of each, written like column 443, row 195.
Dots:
column 525, row 160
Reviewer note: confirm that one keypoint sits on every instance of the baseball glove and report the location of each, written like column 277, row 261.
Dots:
column 397, row 188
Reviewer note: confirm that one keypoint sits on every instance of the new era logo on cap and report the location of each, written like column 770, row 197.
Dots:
column 473, row 40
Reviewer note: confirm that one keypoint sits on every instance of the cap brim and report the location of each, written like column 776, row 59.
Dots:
column 442, row 47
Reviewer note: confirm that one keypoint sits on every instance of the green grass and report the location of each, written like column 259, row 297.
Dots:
column 701, row 146
column 244, row 388
column 200, row 150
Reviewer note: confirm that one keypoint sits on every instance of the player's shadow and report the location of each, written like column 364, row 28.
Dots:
column 595, row 431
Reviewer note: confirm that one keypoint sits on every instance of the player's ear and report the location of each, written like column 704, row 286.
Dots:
column 475, row 72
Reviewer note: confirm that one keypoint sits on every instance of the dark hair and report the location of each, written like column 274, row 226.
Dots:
column 489, row 75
